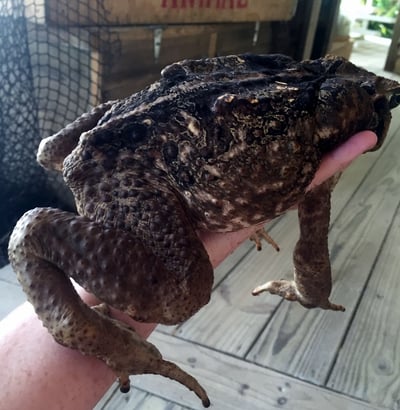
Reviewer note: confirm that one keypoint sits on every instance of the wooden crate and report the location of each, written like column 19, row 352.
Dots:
column 133, row 63
column 122, row 33
column 128, row 12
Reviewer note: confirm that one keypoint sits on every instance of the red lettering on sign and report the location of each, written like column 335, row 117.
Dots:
column 190, row 3
column 217, row 4
column 221, row 4
column 204, row 4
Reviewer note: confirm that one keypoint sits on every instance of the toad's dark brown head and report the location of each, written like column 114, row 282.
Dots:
column 361, row 99
column 386, row 97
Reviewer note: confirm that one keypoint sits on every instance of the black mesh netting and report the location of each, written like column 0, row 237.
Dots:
column 48, row 76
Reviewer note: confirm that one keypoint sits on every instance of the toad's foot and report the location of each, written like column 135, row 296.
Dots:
column 312, row 282
column 125, row 360
column 135, row 355
column 261, row 234
column 288, row 290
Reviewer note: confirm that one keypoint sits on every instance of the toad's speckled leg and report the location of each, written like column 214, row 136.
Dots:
column 312, row 282
column 48, row 245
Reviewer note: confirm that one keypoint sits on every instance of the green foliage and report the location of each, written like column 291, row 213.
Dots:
column 387, row 8
column 385, row 30
column 384, row 8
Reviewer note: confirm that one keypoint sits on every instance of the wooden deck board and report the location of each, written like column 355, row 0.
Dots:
column 304, row 343
column 8, row 275
column 11, row 294
column 369, row 361
column 135, row 400
column 235, row 384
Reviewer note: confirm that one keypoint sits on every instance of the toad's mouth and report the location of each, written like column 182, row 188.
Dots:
column 381, row 120
column 394, row 99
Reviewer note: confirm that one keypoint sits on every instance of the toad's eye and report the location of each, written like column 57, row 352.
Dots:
column 394, row 100
column 368, row 87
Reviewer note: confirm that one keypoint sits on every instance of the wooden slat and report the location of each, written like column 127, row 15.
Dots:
column 134, row 400
column 134, row 54
column 8, row 275
column 233, row 384
column 112, row 400
column 11, row 294
column 369, row 361
column 372, row 57
column 132, row 65
column 304, row 343
column 238, row 38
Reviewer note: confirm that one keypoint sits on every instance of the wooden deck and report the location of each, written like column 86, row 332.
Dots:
column 264, row 353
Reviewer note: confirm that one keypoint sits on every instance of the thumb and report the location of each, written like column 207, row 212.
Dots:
column 341, row 157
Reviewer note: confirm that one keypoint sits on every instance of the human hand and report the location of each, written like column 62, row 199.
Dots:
column 220, row 245
column 342, row 156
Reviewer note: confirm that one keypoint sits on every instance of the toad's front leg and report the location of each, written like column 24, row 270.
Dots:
column 312, row 282
column 53, row 150
column 47, row 246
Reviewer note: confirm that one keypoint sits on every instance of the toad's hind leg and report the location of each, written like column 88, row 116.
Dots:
column 47, row 246
column 312, row 282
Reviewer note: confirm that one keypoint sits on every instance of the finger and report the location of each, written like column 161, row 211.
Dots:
column 342, row 156
column 220, row 245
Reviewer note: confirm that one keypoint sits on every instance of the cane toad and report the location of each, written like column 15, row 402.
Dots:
column 216, row 144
